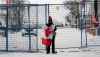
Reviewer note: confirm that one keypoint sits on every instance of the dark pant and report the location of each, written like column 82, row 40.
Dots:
column 53, row 47
column 47, row 49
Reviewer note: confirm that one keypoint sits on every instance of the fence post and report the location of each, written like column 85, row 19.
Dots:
column 85, row 8
column 6, row 31
column 81, row 24
column 46, row 10
column 29, row 28
column 37, row 28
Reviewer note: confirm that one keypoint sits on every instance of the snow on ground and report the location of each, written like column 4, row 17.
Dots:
column 73, row 52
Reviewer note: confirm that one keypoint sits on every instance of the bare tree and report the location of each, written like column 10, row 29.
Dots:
column 73, row 17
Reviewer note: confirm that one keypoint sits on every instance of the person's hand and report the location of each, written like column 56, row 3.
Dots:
column 55, row 28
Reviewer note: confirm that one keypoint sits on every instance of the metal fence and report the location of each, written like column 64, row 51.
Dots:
column 19, row 24
column 89, row 20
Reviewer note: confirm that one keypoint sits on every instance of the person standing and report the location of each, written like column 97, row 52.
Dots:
column 50, row 33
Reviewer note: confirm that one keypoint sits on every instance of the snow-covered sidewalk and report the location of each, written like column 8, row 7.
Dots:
column 72, row 52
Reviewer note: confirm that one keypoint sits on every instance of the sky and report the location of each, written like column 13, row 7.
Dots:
column 45, row 1
column 48, row 1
